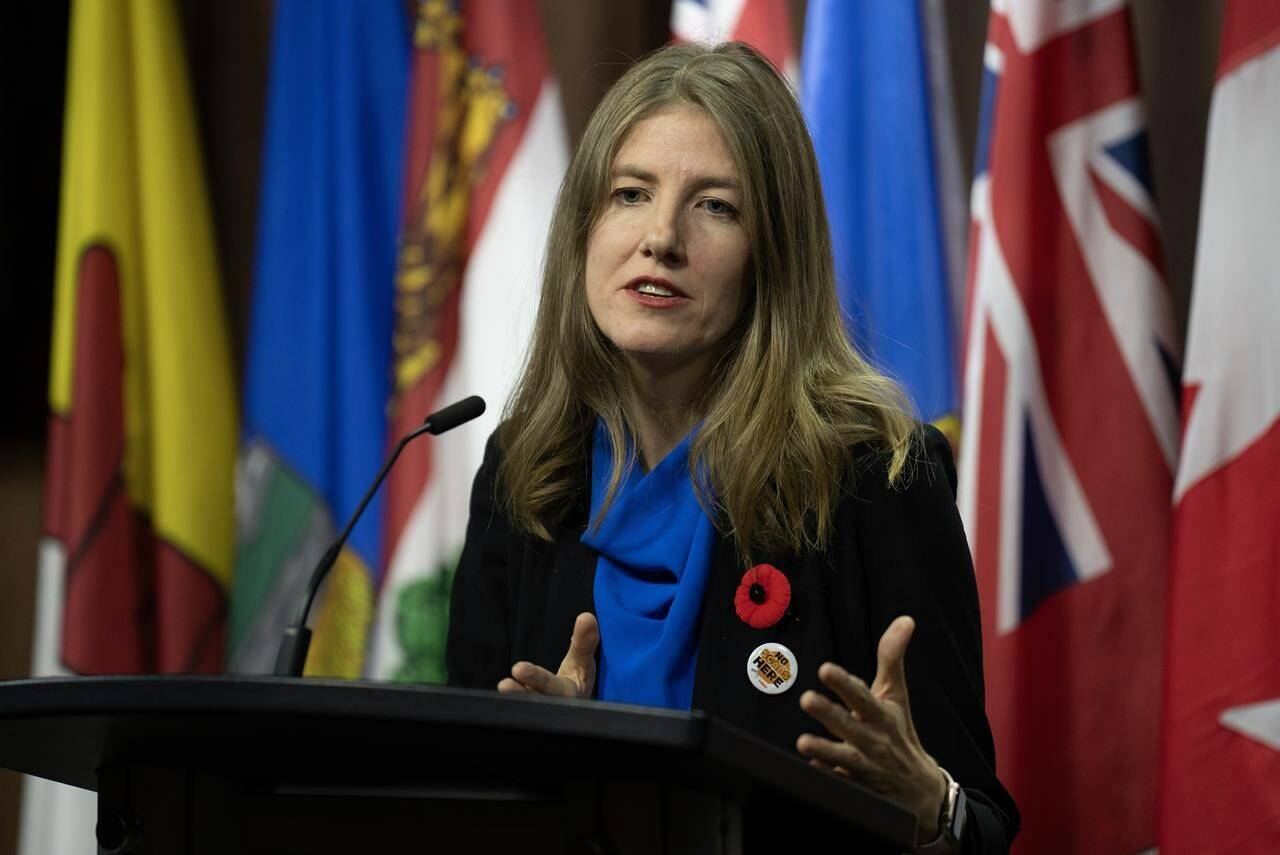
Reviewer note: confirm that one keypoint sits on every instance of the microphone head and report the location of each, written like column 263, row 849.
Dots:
column 454, row 414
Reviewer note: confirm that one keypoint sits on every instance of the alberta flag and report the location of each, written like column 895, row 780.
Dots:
column 1070, row 424
column 318, row 372
column 877, row 98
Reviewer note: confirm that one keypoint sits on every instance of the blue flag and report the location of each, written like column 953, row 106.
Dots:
column 318, row 375
column 867, row 100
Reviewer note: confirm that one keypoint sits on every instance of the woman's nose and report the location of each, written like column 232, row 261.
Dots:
column 662, row 237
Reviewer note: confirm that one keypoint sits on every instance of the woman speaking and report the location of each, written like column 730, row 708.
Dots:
column 700, row 485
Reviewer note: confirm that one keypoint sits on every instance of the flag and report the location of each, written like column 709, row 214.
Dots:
column 877, row 98
column 486, row 153
column 1220, row 787
column 137, row 550
column 763, row 24
column 318, row 369
column 1070, row 424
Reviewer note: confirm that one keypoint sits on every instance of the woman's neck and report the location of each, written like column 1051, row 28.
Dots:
column 664, row 406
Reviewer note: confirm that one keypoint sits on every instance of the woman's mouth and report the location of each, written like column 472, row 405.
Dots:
column 655, row 293
column 654, row 289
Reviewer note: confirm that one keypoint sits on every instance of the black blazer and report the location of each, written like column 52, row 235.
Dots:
column 894, row 551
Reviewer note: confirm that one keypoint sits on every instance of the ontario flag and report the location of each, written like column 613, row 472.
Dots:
column 1070, row 424
column 137, row 550
column 1220, row 788
column 763, row 24
column 486, row 152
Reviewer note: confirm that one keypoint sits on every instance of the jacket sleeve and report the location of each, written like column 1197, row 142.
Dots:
column 912, row 542
column 478, row 647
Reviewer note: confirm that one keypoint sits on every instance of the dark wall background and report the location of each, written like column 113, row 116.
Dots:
column 32, row 73
column 590, row 44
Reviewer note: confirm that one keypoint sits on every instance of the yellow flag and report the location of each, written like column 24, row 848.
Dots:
column 143, row 416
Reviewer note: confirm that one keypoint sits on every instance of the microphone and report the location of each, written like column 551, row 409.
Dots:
column 297, row 638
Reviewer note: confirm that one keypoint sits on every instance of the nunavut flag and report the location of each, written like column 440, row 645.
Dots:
column 1071, row 425
column 138, row 515
column 1220, row 787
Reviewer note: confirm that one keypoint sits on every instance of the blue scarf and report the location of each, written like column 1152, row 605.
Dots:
column 651, row 577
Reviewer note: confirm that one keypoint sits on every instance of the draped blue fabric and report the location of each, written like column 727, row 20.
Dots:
column 655, row 558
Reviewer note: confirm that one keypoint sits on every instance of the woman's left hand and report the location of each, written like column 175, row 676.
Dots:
column 875, row 740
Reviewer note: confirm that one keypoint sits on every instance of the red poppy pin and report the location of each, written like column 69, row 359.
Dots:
column 762, row 598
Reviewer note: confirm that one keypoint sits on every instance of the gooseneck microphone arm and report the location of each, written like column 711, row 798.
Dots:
column 297, row 638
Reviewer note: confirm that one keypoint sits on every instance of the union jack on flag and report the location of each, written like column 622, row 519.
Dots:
column 1070, row 423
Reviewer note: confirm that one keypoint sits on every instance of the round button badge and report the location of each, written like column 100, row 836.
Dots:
column 772, row 668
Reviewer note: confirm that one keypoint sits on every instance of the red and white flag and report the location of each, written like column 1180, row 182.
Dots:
column 1220, row 788
column 486, row 152
column 1070, row 424
column 763, row 24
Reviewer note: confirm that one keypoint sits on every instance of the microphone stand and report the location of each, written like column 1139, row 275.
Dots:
column 292, row 655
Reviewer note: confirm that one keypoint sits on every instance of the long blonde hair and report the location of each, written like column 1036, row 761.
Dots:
column 789, row 397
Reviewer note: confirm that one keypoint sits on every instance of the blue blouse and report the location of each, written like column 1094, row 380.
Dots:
column 651, row 576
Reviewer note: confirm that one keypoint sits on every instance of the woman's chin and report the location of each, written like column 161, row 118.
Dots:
column 659, row 354
column 647, row 340
column 667, row 359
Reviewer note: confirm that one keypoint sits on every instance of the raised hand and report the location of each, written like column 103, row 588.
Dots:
column 576, row 677
column 875, row 740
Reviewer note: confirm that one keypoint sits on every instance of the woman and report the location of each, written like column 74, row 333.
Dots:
column 705, row 487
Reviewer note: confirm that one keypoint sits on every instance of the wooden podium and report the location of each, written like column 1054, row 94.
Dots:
column 232, row 764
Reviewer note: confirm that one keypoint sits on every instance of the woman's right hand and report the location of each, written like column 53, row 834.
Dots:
column 576, row 677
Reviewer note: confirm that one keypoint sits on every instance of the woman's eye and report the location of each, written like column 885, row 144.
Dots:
column 629, row 195
column 719, row 208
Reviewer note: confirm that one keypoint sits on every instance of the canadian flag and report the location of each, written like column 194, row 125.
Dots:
column 763, row 24
column 1220, row 787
